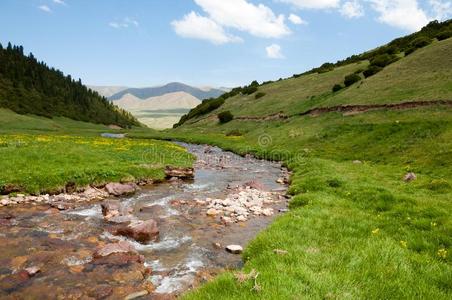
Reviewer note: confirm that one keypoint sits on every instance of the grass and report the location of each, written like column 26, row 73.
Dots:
column 355, row 230
column 42, row 155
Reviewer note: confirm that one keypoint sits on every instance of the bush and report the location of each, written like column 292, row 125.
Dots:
column 443, row 35
column 409, row 51
column 372, row 70
column 351, row 79
column 421, row 42
column 337, row 88
column 225, row 117
column 249, row 90
column 383, row 60
column 260, row 95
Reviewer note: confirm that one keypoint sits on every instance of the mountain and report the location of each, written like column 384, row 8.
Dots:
column 28, row 86
column 107, row 91
column 177, row 100
column 145, row 93
column 369, row 143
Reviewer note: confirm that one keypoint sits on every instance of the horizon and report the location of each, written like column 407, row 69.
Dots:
column 145, row 44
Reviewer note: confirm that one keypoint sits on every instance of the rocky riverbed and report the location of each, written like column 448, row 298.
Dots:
column 157, row 243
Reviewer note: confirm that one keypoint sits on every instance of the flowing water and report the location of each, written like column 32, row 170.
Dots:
column 61, row 244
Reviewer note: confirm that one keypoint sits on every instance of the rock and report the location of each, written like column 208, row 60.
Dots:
column 410, row 177
column 267, row 212
column 257, row 185
column 280, row 180
column 242, row 218
column 32, row 271
column 120, row 247
column 217, row 245
column 101, row 291
column 212, row 212
column 141, row 231
column 4, row 202
column 113, row 208
column 357, row 162
column 122, row 219
column 60, row 205
column 181, row 173
column 119, row 189
column 136, row 295
column 14, row 281
column 283, row 210
column 119, row 259
column 234, row 249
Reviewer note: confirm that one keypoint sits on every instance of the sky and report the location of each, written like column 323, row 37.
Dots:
column 222, row 43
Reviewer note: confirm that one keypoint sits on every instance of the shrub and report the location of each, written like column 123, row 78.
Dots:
column 443, row 35
column 351, row 79
column 249, row 90
column 334, row 183
column 409, row 51
column 225, row 117
column 421, row 42
column 383, row 60
column 337, row 88
column 372, row 70
column 260, row 95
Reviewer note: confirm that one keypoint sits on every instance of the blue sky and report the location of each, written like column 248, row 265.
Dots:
column 204, row 42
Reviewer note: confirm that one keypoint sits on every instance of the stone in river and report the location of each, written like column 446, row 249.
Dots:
column 141, row 231
column 181, row 173
column 234, row 249
column 119, row 189
column 137, row 295
column 212, row 212
column 121, row 247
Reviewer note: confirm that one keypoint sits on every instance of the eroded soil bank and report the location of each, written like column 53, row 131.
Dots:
column 56, row 254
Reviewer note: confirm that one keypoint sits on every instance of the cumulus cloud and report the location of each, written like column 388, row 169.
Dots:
column 352, row 9
column 297, row 20
column 404, row 14
column 258, row 20
column 221, row 16
column 45, row 8
column 203, row 28
column 274, row 51
column 125, row 23
column 313, row 4
column 442, row 10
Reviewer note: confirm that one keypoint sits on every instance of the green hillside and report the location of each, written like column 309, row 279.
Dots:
column 28, row 86
column 356, row 229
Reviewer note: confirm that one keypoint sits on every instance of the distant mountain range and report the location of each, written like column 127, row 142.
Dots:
column 159, row 107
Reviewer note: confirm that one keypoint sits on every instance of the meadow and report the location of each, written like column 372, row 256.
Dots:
column 42, row 155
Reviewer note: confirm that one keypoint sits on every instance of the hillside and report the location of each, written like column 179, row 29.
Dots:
column 357, row 228
column 145, row 93
column 28, row 86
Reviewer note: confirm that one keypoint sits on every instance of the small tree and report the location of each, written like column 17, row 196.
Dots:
column 337, row 88
column 351, row 79
column 444, row 35
column 225, row 117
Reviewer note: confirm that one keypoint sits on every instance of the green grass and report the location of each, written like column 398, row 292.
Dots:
column 42, row 155
column 355, row 231
column 337, row 205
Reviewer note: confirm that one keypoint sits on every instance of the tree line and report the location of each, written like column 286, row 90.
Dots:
column 28, row 86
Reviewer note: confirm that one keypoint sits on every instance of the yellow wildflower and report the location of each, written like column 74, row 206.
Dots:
column 404, row 244
column 376, row 231
column 442, row 253
column 433, row 224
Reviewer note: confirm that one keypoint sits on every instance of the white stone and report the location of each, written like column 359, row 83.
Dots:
column 212, row 212
column 234, row 249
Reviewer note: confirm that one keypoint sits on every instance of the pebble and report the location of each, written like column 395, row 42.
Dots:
column 234, row 249
column 137, row 295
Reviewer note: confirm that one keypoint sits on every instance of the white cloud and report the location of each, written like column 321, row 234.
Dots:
column 441, row 10
column 352, row 9
column 404, row 14
column 125, row 23
column 59, row 2
column 297, row 20
column 274, row 51
column 313, row 4
column 258, row 20
column 199, row 27
column 45, row 8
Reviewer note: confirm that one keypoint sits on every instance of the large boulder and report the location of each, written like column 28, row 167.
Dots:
column 181, row 173
column 120, row 189
column 114, row 248
column 140, row 231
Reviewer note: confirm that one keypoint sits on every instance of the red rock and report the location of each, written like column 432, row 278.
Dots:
column 119, row 189
column 121, row 247
column 141, row 231
column 14, row 281
column 257, row 185
column 181, row 173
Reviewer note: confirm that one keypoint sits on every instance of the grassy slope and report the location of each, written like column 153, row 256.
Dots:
column 355, row 231
column 429, row 68
column 42, row 155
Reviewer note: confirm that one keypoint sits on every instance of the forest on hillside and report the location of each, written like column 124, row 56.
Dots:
column 28, row 86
